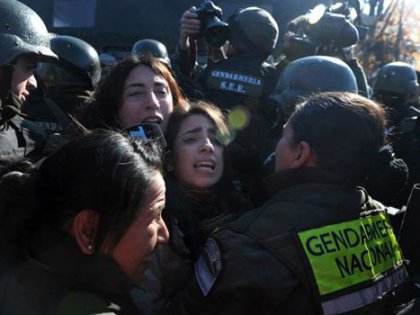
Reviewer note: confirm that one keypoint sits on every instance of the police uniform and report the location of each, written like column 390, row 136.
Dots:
column 245, row 83
column 51, row 112
column 23, row 34
column 19, row 140
column 316, row 247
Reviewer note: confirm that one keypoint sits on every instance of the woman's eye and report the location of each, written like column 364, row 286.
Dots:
column 135, row 93
column 216, row 141
column 189, row 140
column 161, row 92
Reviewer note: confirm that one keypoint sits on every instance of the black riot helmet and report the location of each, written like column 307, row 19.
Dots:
column 397, row 78
column 305, row 76
column 253, row 31
column 151, row 47
column 22, row 33
column 78, row 65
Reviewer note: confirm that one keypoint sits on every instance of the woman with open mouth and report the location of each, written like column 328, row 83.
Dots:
column 137, row 90
column 200, row 195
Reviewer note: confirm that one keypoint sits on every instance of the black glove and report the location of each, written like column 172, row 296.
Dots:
column 387, row 175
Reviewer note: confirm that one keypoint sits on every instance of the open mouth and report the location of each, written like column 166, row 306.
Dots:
column 205, row 165
column 156, row 120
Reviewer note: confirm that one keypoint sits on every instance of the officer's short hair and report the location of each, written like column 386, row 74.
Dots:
column 345, row 131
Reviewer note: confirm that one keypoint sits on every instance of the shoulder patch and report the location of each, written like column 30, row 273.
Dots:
column 208, row 266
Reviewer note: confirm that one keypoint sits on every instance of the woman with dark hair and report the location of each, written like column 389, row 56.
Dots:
column 201, row 195
column 197, row 172
column 92, row 229
column 137, row 90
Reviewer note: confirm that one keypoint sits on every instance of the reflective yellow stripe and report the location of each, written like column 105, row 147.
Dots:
column 348, row 253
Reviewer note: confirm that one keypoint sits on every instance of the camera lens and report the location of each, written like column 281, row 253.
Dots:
column 216, row 33
column 213, row 29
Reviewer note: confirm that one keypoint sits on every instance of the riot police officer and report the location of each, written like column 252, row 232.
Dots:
column 396, row 87
column 67, row 84
column 313, row 74
column 308, row 75
column 24, row 41
column 152, row 47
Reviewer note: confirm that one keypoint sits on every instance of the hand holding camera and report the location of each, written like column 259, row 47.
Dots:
column 204, row 22
column 190, row 27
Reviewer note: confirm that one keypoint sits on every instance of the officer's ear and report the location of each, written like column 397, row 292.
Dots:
column 304, row 155
column 83, row 229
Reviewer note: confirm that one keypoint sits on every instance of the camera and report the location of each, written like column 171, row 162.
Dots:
column 322, row 31
column 214, row 31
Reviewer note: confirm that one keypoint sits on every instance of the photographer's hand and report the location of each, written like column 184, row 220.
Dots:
column 190, row 25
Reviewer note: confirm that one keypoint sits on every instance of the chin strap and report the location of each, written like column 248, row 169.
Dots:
column 10, row 104
column 9, row 108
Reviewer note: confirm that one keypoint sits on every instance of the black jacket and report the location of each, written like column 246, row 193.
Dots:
column 56, row 278
column 257, row 264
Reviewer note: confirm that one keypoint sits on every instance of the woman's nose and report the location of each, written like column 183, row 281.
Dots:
column 207, row 145
column 152, row 101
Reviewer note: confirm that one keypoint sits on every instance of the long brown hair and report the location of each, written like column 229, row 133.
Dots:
column 102, row 110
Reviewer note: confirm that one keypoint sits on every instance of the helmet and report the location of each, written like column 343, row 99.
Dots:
column 107, row 60
column 152, row 47
column 22, row 32
column 312, row 74
column 78, row 64
column 396, row 77
column 253, row 31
